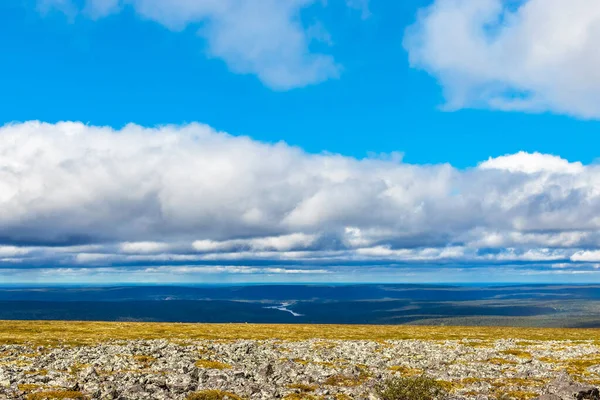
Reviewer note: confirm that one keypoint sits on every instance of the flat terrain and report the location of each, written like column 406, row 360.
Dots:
column 110, row 360
column 558, row 306
column 79, row 333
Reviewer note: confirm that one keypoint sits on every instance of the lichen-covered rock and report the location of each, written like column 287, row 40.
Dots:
column 308, row 369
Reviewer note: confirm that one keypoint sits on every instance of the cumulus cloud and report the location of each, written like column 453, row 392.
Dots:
column 531, row 163
column 531, row 55
column 72, row 194
column 266, row 37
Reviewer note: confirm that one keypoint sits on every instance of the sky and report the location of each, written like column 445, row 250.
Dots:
column 221, row 141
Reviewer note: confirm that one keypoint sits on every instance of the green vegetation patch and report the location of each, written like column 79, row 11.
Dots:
column 411, row 388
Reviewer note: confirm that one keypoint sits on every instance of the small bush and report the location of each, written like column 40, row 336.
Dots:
column 411, row 388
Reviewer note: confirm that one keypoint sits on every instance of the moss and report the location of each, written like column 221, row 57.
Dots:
column 300, row 361
column 56, row 394
column 209, row 364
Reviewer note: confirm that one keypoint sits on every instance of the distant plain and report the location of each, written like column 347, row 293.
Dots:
column 560, row 306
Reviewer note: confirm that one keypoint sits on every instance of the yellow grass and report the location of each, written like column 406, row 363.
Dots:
column 303, row 387
column 81, row 333
column 209, row 364
column 406, row 371
column 517, row 353
column 144, row 361
column 56, row 394
column 212, row 395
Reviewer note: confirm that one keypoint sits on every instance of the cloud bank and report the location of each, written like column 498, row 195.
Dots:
column 266, row 37
column 531, row 55
column 78, row 196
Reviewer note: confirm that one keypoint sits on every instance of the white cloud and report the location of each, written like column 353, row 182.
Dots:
column 12, row 251
column 144, row 247
column 265, row 37
column 586, row 256
column 230, row 269
column 531, row 163
column 532, row 55
column 270, row 243
column 84, row 195
column 568, row 239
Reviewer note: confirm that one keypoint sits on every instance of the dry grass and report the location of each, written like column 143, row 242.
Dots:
column 209, row 364
column 144, row 360
column 302, row 396
column 406, row 371
column 579, row 366
column 303, row 387
column 56, row 394
column 517, row 353
column 28, row 387
column 213, row 395
column 516, row 395
column 82, row 333
column 500, row 361
column 347, row 380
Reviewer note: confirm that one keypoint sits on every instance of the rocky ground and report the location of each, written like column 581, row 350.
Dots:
column 307, row 369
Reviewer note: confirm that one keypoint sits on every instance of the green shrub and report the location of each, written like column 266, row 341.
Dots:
column 411, row 388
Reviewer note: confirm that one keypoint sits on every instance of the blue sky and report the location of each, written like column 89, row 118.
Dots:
column 124, row 69
column 346, row 85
